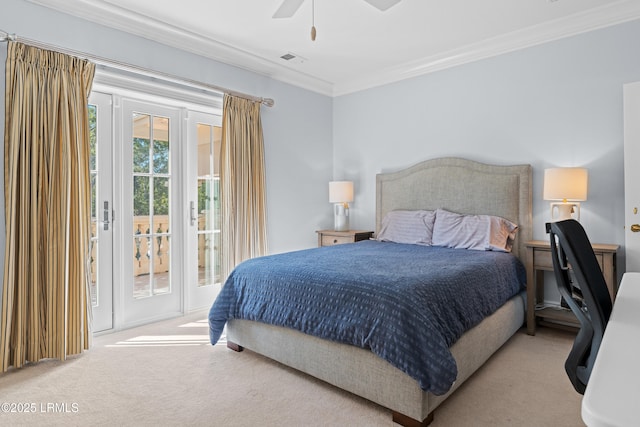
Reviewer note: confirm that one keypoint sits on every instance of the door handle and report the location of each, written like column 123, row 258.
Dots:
column 635, row 227
column 192, row 213
column 105, row 213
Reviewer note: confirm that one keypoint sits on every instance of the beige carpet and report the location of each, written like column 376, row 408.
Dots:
column 166, row 374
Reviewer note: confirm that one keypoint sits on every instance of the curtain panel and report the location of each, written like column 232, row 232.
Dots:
column 45, row 306
column 242, row 183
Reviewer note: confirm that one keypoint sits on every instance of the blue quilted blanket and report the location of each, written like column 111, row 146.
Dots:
column 407, row 303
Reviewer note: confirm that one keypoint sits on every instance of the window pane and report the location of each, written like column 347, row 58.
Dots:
column 205, row 213
column 161, row 196
column 215, row 194
column 206, row 255
column 93, row 268
column 161, row 145
column 141, row 276
column 141, row 145
column 141, row 196
column 161, row 282
column 93, row 179
column 92, row 136
column 161, row 266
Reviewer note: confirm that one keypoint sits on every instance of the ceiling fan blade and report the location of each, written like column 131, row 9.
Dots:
column 288, row 8
column 382, row 4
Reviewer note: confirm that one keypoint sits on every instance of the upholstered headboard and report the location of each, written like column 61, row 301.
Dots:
column 462, row 186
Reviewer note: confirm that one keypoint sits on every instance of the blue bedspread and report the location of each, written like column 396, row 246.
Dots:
column 407, row 303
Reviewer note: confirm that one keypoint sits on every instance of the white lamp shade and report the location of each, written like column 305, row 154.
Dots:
column 340, row 191
column 565, row 184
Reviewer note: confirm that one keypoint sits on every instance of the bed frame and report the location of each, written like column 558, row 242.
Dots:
column 455, row 184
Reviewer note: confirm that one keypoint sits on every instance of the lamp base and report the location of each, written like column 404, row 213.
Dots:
column 564, row 210
column 341, row 217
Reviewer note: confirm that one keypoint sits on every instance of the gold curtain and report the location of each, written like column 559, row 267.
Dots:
column 242, row 183
column 45, row 304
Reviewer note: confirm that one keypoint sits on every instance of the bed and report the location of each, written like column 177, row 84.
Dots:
column 457, row 185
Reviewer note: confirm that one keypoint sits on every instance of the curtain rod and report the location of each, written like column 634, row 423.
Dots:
column 109, row 63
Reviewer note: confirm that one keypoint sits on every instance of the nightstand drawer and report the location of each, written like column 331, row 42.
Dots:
column 328, row 240
column 542, row 260
column 331, row 237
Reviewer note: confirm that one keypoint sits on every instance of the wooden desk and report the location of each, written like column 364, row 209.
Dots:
column 538, row 260
column 613, row 390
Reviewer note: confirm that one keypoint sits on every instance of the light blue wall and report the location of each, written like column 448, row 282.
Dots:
column 556, row 104
column 297, row 130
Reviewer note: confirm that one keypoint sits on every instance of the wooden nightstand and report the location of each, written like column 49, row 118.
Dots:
column 330, row 237
column 538, row 260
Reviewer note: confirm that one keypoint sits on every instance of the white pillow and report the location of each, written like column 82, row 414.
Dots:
column 479, row 232
column 413, row 227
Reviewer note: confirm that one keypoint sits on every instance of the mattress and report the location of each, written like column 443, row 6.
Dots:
column 408, row 304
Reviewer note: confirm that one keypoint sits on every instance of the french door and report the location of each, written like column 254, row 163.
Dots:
column 100, row 166
column 148, row 245
column 155, row 205
column 202, row 175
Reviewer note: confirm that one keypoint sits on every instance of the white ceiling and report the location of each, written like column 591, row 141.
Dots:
column 357, row 45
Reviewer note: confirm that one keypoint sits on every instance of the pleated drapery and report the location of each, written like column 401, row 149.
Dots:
column 242, row 183
column 45, row 304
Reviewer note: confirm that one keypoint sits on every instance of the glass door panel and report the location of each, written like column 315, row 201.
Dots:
column 151, row 200
column 208, row 204
column 203, row 180
column 101, row 175
column 93, row 179
column 149, row 146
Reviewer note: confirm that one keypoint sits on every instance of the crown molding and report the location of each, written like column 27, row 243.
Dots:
column 106, row 14
column 605, row 16
column 112, row 16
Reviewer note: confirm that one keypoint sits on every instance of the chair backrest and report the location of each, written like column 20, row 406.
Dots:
column 591, row 302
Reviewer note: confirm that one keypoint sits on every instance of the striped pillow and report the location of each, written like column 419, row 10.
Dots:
column 413, row 227
column 479, row 232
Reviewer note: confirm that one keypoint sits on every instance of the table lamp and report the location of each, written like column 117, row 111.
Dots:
column 341, row 193
column 569, row 186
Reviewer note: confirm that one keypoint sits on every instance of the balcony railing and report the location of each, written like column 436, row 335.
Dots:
column 144, row 242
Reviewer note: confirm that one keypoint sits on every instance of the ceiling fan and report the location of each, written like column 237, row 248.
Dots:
column 289, row 7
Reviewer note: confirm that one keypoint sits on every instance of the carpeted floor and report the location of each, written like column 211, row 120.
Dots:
column 166, row 374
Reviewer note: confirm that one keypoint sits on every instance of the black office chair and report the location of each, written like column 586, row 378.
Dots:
column 588, row 298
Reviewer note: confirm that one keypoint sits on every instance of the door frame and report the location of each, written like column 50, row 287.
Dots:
column 173, row 94
column 631, row 156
